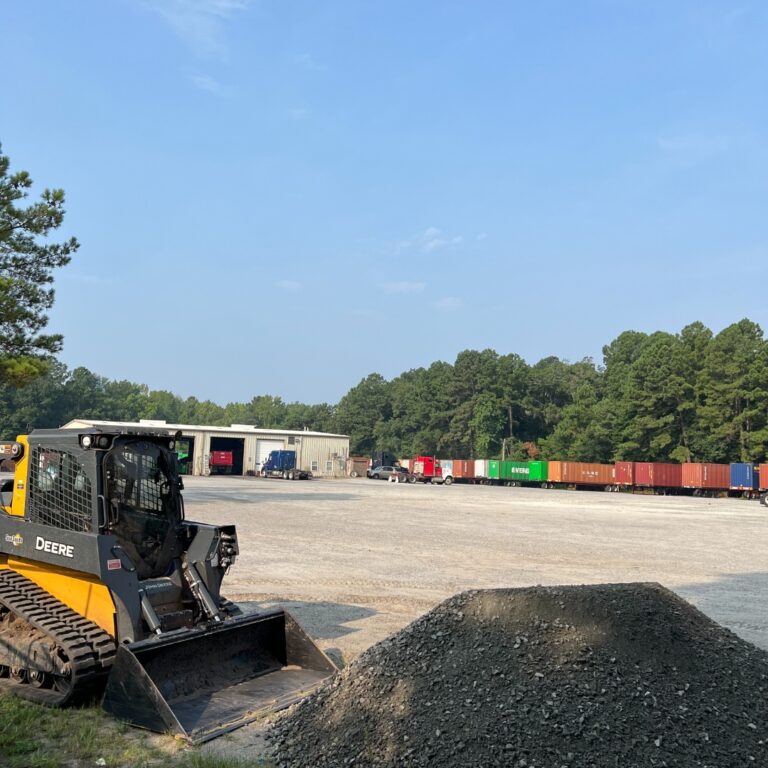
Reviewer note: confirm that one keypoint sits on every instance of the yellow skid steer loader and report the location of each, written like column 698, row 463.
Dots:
column 102, row 580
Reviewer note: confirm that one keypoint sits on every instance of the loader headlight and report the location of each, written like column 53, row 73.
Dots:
column 86, row 441
column 171, row 445
column 12, row 450
column 103, row 442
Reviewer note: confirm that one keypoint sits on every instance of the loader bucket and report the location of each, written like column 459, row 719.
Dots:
column 201, row 683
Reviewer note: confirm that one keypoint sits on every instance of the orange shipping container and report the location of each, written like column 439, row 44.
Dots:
column 580, row 473
column 463, row 467
column 763, row 477
column 712, row 476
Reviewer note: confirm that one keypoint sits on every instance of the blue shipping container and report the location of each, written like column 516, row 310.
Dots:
column 745, row 477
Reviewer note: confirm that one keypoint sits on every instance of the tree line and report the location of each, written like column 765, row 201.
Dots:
column 690, row 396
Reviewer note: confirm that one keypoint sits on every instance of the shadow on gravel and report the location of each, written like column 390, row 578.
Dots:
column 322, row 620
column 332, row 619
column 737, row 600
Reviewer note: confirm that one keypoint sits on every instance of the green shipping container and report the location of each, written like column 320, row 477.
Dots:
column 494, row 466
column 524, row 471
column 515, row 470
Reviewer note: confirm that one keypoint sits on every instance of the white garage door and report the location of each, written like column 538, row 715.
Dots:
column 264, row 448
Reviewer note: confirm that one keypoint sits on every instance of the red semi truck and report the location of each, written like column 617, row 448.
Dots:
column 427, row 469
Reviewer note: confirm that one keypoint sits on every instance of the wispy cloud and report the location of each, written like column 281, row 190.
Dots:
column 309, row 62
column 205, row 83
column 199, row 23
column 291, row 286
column 403, row 287
column 448, row 304
column 431, row 239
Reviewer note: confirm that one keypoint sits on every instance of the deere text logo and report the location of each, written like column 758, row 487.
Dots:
column 17, row 539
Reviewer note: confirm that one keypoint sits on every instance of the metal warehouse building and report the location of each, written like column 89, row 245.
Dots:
column 325, row 455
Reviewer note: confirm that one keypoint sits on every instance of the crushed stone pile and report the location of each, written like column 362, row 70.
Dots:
column 613, row 675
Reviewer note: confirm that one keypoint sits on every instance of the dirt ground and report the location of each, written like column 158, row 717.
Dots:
column 357, row 560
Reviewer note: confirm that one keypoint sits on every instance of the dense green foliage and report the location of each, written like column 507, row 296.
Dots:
column 657, row 397
column 26, row 263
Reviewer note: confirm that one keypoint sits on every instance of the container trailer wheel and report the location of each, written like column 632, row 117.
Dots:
column 448, row 480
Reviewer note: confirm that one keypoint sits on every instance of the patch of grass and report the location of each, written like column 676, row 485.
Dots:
column 196, row 760
column 32, row 736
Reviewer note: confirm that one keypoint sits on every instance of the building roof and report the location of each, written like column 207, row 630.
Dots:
column 161, row 424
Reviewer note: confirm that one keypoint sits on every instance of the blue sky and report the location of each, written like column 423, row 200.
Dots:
column 279, row 197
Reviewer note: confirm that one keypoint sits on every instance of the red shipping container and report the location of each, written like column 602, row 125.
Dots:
column 580, row 473
column 624, row 473
column 712, row 476
column 763, row 477
column 463, row 467
column 655, row 475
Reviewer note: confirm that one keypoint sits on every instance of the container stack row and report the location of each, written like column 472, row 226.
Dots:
column 749, row 479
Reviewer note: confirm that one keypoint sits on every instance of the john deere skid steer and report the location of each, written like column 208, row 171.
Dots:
column 104, row 584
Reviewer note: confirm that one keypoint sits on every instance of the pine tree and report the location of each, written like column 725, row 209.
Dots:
column 26, row 264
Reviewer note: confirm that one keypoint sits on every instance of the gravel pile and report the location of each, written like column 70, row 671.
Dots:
column 619, row 675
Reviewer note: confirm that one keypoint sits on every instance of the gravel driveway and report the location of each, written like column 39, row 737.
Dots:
column 357, row 560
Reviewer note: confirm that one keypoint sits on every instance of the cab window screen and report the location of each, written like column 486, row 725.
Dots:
column 59, row 492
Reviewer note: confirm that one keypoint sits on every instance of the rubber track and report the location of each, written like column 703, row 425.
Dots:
column 88, row 648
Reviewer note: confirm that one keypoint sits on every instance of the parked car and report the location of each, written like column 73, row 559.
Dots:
column 383, row 472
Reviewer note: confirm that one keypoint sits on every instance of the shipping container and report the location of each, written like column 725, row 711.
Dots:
column 580, row 473
column 707, row 476
column 624, row 473
column 649, row 474
column 494, row 469
column 464, row 468
column 357, row 466
column 764, row 477
column 481, row 468
column 744, row 477
column 514, row 471
column 538, row 471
